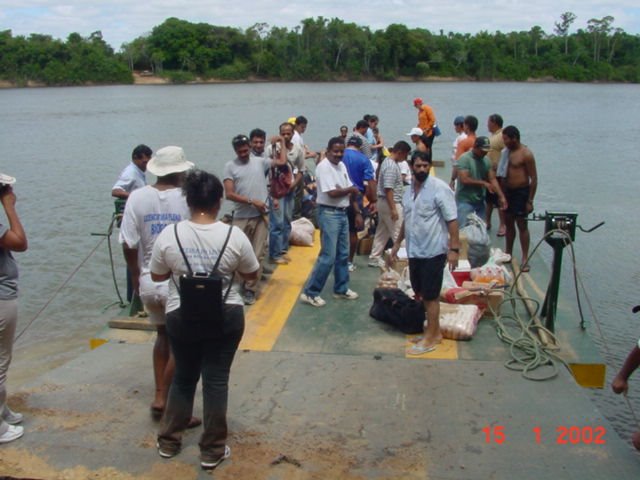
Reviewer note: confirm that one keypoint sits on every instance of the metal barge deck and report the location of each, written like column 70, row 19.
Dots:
column 328, row 394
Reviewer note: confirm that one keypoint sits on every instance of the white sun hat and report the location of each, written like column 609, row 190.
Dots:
column 169, row 160
column 6, row 179
column 415, row 131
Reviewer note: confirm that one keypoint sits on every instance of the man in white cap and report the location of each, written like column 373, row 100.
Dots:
column 421, row 141
column 12, row 239
column 148, row 211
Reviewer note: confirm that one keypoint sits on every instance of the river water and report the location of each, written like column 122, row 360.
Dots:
column 66, row 147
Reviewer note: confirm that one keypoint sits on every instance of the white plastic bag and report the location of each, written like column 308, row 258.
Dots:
column 478, row 240
column 302, row 231
column 389, row 279
column 459, row 322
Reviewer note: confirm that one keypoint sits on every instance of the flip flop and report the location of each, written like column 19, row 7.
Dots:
column 417, row 349
column 525, row 268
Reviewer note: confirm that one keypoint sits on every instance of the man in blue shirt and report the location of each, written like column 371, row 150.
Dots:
column 362, row 175
column 430, row 227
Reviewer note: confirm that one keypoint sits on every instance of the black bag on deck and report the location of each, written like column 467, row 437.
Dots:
column 201, row 299
column 394, row 307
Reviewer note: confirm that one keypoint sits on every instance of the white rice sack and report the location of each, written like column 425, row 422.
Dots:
column 302, row 231
column 459, row 322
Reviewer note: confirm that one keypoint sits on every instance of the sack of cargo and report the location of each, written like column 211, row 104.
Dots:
column 393, row 307
column 459, row 322
column 302, row 231
column 388, row 279
column 477, row 239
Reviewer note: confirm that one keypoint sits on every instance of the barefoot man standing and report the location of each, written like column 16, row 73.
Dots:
column 519, row 186
column 430, row 227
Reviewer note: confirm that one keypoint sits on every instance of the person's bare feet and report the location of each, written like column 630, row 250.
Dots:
column 524, row 266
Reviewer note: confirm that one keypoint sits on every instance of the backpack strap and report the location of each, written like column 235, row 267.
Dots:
column 224, row 246
column 175, row 230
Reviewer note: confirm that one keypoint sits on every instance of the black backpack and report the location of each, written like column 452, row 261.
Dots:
column 201, row 299
column 394, row 307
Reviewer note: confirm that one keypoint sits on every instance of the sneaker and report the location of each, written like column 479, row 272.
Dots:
column 348, row 295
column 11, row 417
column 315, row 301
column 376, row 262
column 13, row 433
column 279, row 261
column 209, row 464
column 165, row 452
column 351, row 267
column 286, row 257
column 249, row 298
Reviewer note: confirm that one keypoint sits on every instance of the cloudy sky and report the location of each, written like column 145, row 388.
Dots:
column 123, row 20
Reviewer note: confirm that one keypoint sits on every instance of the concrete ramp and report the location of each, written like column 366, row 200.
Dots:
column 319, row 416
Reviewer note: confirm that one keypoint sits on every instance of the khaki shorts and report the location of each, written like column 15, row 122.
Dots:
column 154, row 297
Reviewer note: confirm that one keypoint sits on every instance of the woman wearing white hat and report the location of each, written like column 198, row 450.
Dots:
column 12, row 239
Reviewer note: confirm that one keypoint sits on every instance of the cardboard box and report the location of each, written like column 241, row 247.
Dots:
column 484, row 296
column 400, row 264
column 364, row 245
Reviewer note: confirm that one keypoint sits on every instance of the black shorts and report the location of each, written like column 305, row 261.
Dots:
column 517, row 199
column 426, row 276
column 492, row 199
column 351, row 216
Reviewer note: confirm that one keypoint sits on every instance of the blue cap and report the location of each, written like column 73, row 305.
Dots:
column 459, row 120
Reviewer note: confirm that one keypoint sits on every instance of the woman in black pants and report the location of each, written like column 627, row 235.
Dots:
column 202, row 346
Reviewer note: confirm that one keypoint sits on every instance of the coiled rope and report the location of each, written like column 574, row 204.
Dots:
column 527, row 351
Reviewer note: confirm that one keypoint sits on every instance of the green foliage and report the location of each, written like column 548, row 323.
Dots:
column 324, row 49
column 78, row 61
column 178, row 76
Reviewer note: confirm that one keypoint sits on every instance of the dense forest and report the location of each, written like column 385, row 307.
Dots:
column 321, row 49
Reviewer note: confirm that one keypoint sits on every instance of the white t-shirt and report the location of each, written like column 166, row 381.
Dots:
column 405, row 170
column 202, row 245
column 297, row 139
column 329, row 177
column 461, row 136
column 147, row 212
column 130, row 179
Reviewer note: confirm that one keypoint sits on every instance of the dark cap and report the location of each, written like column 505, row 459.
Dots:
column 354, row 141
column 459, row 120
column 482, row 143
column 239, row 140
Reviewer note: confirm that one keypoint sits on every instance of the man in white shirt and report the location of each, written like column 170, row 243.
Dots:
column 148, row 211
column 133, row 175
column 335, row 191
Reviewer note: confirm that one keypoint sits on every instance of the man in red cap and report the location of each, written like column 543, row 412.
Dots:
column 426, row 120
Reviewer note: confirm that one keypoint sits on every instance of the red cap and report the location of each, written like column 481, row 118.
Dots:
column 417, row 101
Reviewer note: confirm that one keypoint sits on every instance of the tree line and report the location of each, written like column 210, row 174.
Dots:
column 321, row 49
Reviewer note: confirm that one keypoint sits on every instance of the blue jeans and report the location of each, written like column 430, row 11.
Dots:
column 465, row 208
column 334, row 252
column 210, row 356
column 280, row 225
